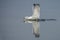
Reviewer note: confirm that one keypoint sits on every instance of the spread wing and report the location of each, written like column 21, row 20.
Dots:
column 36, row 11
column 36, row 28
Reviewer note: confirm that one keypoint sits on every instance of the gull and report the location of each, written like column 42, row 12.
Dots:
column 34, row 19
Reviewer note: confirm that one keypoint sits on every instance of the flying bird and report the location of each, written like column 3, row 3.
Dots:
column 35, row 18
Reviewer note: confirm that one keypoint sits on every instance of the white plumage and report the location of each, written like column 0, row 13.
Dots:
column 35, row 15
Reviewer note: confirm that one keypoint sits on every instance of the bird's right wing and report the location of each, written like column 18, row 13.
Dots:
column 36, row 11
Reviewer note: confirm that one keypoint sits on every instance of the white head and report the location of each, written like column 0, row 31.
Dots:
column 26, row 17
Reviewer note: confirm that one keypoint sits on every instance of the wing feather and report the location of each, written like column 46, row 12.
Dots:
column 36, row 27
column 36, row 11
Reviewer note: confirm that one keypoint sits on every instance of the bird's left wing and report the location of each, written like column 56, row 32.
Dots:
column 36, row 28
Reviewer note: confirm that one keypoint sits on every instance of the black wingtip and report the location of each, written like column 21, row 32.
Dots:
column 36, row 4
column 37, row 35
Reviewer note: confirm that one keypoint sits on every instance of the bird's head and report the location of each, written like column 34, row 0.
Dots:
column 26, row 17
